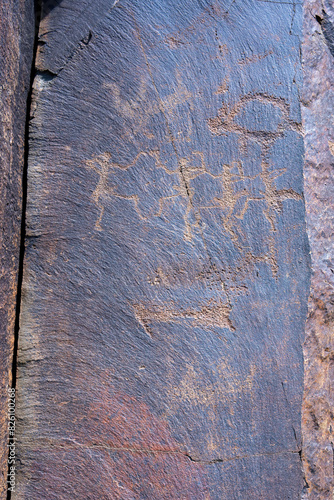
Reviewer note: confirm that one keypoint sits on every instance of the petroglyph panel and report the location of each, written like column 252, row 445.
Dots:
column 166, row 234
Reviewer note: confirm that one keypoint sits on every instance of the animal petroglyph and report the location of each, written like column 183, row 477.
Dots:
column 255, row 58
column 138, row 110
column 192, row 389
column 212, row 313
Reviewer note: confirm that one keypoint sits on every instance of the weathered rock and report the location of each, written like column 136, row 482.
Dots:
column 166, row 271
column 318, row 110
column 17, row 35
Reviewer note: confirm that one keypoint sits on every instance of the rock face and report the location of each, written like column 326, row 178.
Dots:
column 167, row 266
column 318, row 109
column 17, row 36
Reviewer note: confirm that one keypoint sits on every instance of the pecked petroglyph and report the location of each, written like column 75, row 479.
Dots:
column 194, row 33
column 142, row 107
column 223, row 88
column 209, row 391
column 200, row 276
column 209, row 314
column 154, row 189
column 232, row 188
column 255, row 58
column 179, row 96
column 225, row 121
column 263, row 119
column 139, row 109
column 160, row 186
column 192, row 389
column 169, row 182
column 187, row 274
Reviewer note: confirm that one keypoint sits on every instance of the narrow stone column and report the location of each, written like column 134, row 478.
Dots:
column 16, row 53
column 318, row 112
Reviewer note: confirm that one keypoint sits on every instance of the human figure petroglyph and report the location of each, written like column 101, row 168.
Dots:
column 161, row 188
column 272, row 122
column 193, row 167
column 232, row 192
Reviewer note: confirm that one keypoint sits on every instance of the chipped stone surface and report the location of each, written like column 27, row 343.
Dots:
column 318, row 110
column 16, row 27
column 167, row 270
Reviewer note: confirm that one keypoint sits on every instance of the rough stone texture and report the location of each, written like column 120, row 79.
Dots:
column 16, row 50
column 318, row 112
column 167, row 266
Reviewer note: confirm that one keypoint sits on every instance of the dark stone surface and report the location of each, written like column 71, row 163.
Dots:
column 167, row 271
column 318, row 110
column 16, row 50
